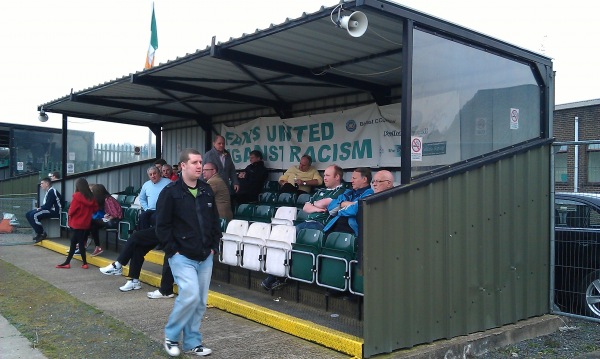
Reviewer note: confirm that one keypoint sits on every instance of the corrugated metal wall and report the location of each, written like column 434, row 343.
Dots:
column 460, row 255
column 178, row 137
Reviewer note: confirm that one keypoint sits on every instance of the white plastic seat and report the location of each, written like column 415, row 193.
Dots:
column 252, row 245
column 277, row 249
column 231, row 240
column 285, row 215
column 136, row 203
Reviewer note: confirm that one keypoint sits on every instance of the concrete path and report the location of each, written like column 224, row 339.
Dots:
column 13, row 345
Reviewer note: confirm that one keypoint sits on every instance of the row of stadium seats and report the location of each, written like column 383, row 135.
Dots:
column 305, row 256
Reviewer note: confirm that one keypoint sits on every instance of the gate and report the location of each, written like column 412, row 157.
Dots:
column 575, row 250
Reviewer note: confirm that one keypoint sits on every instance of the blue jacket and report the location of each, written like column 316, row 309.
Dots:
column 350, row 211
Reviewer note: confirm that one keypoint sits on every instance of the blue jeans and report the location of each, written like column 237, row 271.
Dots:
column 193, row 279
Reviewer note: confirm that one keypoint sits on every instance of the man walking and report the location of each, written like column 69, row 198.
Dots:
column 187, row 224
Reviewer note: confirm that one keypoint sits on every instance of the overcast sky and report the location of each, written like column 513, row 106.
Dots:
column 51, row 47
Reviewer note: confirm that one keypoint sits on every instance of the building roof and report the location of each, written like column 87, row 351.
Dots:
column 577, row 104
column 271, row 71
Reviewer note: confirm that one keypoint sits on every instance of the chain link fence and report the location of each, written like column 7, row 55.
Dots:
column 575, row 286
column 18, row 206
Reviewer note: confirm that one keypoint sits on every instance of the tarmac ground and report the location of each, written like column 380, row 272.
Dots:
column 228, row 335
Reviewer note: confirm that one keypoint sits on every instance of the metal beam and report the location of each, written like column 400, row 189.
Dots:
column 197, row 90
column 129, row 106
column 235, row 56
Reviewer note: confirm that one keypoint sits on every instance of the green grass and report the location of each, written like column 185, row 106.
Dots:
column 60, row 326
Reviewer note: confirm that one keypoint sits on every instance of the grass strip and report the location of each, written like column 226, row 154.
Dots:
column 61, row 326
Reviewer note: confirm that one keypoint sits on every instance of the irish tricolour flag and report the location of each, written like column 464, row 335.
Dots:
column 153, row 42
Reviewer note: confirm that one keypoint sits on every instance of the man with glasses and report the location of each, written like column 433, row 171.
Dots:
column 382, row 180
column 220, row 188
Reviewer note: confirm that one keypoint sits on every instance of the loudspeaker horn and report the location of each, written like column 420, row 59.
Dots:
column 356, row 24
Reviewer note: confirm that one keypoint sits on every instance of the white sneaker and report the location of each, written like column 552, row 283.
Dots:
column 111, row 269
column 158, row 295
column 199, row 350
column 172, row 348
column 131, row 285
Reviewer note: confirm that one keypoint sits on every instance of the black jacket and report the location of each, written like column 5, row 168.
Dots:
column 186, row 224
column 256, row 175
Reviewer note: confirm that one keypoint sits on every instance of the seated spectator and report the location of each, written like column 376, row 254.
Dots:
column 382, row 180
column 317, row 215
column 167, row 172
column 316, row 207
column 149, row 195
column 54, row 176
column 110, row 219
column 343, row 209
column 220, row 189
column 300, row 179
column 50, row 208
column 225, row 167
column 137, row 246
column 252, row 179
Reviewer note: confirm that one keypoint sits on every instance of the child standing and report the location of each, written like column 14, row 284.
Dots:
column 83, row 206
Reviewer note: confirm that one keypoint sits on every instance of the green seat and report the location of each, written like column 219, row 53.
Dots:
column 300, row 217
column 244, row 211
column 333, row 262
column 272, row 186
column 286, row 199
column 304, row 254
column 127, row 224
column 129, row 200
column 263, row 213
column 267, row 197
column 302, row 199
column 121, row 199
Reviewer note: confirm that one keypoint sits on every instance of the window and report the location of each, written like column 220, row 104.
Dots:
column 561, row 174
column 93, row 145
column 594, row 163
column 468, row 102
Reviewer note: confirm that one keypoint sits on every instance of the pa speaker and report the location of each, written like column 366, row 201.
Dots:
column 356, row 24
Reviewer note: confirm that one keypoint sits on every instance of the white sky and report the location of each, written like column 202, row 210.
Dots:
column 51, row 47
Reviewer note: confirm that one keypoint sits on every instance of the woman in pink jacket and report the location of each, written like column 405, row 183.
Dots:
column 83, row 205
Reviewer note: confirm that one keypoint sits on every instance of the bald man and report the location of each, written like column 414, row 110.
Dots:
column 382, row 180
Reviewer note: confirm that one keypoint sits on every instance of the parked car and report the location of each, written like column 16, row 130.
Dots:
column 577, row 253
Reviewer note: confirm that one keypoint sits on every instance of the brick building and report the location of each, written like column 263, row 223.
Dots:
column 586, row 116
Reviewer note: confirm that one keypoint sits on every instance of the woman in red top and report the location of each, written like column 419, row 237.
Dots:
column 113, row 214
column 83, row 206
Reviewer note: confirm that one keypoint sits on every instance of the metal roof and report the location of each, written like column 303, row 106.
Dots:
column 297, row 61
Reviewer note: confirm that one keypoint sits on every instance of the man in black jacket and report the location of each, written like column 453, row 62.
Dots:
column 50, row 208
column 187, row 224
column 252, row 179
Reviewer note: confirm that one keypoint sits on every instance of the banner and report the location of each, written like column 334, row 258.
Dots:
column 367, row 136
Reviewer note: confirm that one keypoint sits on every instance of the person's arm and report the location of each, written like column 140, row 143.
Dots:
column 143, row 198
column 232, row 173
column 50, row 200
column 284, row 178
column 350, row 208
column 311, row 208
column 112, row 208
column 164, row 221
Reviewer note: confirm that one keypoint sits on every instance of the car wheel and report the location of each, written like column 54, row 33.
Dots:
column 591, row 294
